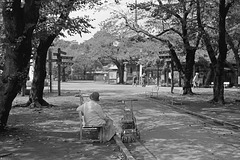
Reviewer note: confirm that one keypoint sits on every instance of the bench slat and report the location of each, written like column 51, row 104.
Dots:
column 177, row 99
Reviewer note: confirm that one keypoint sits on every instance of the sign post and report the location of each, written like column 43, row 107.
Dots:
column 59, row 63
column 50, row 69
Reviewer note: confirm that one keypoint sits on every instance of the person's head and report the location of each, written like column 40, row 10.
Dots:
column 94, row 96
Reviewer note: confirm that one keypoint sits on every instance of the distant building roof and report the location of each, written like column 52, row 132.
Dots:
column 112, row 67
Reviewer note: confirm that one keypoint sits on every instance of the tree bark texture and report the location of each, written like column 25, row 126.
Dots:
column 19, row 23
column 36, row 94
column 210, row 76
column 120, row 67
column 218, row 88
column 190, row 56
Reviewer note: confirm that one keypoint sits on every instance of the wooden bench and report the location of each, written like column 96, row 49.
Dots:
column 177, row 96
column 225, row 84
column 154, row 91
column 90, row 133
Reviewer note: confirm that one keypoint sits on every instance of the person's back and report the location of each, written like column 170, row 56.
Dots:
column 93, row 114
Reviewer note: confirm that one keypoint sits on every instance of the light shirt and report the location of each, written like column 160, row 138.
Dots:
column 195, row 78
column 93, row 113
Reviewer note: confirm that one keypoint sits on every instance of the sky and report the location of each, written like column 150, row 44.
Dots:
column 99, row 16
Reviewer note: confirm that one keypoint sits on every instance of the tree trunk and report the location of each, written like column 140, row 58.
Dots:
column 187, row 88
column 187, row 75
column 121, row 73
column 190, row 56
column 120, row 67
column 174, row 59
column 218, row 89
column 36, row 94
column 84, row 74
column 19, row 25
column 210, row 76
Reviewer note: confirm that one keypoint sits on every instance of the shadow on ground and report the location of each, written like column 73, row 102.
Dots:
column 50, row 133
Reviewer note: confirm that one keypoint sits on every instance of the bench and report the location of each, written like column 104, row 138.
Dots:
column 177, row 97
column 90, row 133
column 154, row 91
column 225, row 84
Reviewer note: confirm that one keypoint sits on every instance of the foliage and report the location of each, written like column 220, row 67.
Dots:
column 84, row 63
column 54, row 18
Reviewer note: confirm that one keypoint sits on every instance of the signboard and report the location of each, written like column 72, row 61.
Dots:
column 67, row 63
column 66, row 57
column 112, row 75
column 52, row 60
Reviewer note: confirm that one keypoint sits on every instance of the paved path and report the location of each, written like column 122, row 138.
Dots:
column 167, row 133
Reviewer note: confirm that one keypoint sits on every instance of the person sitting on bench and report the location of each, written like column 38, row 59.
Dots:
column 95, row 117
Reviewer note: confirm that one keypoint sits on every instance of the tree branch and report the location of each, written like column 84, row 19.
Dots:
column 229, row 4
column 186, row 12
column 170, row 29
column 199, row 37
column 169, row 11
column 139, row 30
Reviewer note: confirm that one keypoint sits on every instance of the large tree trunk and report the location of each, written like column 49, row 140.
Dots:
column 36, row 94
column 218, row 89
column 190, row 55
column 120, row 67
column 210, row 76
column 187, row 88
column 121, row 73
column 187, row 75
column 19, row 25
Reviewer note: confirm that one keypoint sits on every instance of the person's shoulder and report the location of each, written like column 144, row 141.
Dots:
column 80, row 107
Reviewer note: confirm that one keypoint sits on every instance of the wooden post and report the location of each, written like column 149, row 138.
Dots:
column 80, row 114
column 158, row 76
column 50, row 68
column 172, row 75
column 59, row 71
column 59, row 63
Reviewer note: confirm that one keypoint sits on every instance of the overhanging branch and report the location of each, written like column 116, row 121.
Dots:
column 137, row 29
column 169, row 11
column 170, row 29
